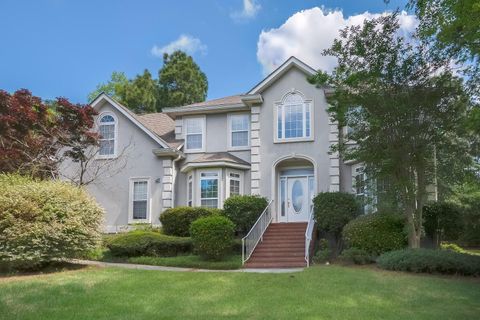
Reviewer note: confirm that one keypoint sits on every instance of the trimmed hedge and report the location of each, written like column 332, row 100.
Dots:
column 212, row 236
column 147, row 243
column 357, row 256
column 177, row 221
column 333, row 210
column 41, row 221
column 244, row 210
column 431, row 261
column 376, row 233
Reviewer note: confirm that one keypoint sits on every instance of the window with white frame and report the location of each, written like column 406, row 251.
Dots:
column 234, row 183
column 194, row 134
column 139, row 199
column 107, row 131
column 239, row 125
column 294, row 120
column 190, row 191
column 209, row 189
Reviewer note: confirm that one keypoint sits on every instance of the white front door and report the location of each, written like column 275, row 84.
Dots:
column 298, row 200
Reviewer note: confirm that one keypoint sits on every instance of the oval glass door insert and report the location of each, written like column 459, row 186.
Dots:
column 297, row 196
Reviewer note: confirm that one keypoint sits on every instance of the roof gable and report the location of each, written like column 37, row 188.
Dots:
column 139, row 121
column 292, row 62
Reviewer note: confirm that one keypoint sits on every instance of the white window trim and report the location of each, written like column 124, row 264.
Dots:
column 130, row 200
column 204, row 132
column 278, row 105
column 198, row 189
column 229, row 118
column 115, row 142
column 228, row 179
column 190, row 196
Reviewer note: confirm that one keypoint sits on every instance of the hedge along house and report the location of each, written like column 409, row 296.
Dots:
column 272, row 141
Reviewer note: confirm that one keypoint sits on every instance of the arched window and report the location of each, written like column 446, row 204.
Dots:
column 107, row 130
column 293, row 119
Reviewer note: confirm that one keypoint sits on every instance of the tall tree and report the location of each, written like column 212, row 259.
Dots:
column 36, row 137
column 140, row 94
column 114, row 87
column 181, row 81
column 403, row 104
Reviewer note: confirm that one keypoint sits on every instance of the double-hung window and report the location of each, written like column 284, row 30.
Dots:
column 195, row 134
column 239, row 133
column 293, row 119
column 209, row 189
column 107, row 131
column 234, row 183
column 139, row 200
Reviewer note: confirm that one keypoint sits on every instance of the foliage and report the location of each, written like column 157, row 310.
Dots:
column 191, row 261
column 114, row 87
column 377, row 69
column 141, row 94
column 452, row 247
column 149, row 243
column 244, row 210
column 35, row 136
column 376, row 233
column 443, row 221
column 212, row 236
column 41, row 221
column 333, row 210
column 323, row 252
column 357, row 256
column 468, row 200
column 177, row 221
column 431, row 261
column 181, row 81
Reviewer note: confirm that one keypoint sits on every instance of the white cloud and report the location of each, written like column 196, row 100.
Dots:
column 184, row 43
column 250, row 10
column 307, row 33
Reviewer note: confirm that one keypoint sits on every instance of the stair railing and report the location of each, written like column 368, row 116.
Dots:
column 309, row 235
column 255, row 235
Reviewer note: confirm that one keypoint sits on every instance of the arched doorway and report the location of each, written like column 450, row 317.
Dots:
column 295, row 186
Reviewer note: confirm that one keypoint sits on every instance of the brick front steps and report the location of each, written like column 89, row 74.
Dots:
column 283, row 246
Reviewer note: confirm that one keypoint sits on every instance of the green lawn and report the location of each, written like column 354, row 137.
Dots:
column 326, row 292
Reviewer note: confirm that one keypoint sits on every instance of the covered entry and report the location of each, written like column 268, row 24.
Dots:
column 296, row 187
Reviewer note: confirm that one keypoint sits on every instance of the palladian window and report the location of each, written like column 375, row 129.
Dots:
column 293, row 119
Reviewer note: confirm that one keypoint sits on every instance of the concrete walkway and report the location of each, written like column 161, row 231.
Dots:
column 178, row 269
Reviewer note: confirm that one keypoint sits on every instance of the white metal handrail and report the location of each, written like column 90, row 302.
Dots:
column 308, row 235
column 255, row 235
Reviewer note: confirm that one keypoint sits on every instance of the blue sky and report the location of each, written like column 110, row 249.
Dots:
column 65, row 48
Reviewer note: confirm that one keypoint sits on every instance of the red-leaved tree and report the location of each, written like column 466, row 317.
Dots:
column 36, row 136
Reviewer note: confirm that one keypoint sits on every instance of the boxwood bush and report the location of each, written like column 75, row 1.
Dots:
column 442, row 221
column 431, row 261
column 147, row 243
column 177, row 221
column 356, row 256
column 41, row 221
column 333, row 210
column 376, row 233
column 212, row 236
column 244, row 210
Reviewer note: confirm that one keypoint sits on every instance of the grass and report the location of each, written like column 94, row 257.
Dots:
column 190, row 261
column 320, row 292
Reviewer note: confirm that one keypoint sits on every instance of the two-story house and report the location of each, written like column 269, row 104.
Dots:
column 273, row 141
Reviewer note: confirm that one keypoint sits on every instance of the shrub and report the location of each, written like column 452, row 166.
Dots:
column 333, row 210
column 442, row 221
column 244, row 210
column 41, row 221
column 323, row 252
column 468, row 200
column 212, row 236
column 357, row 256
column 177, row 221
column 430, row 261
column 376, row 233
column 147, row 243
